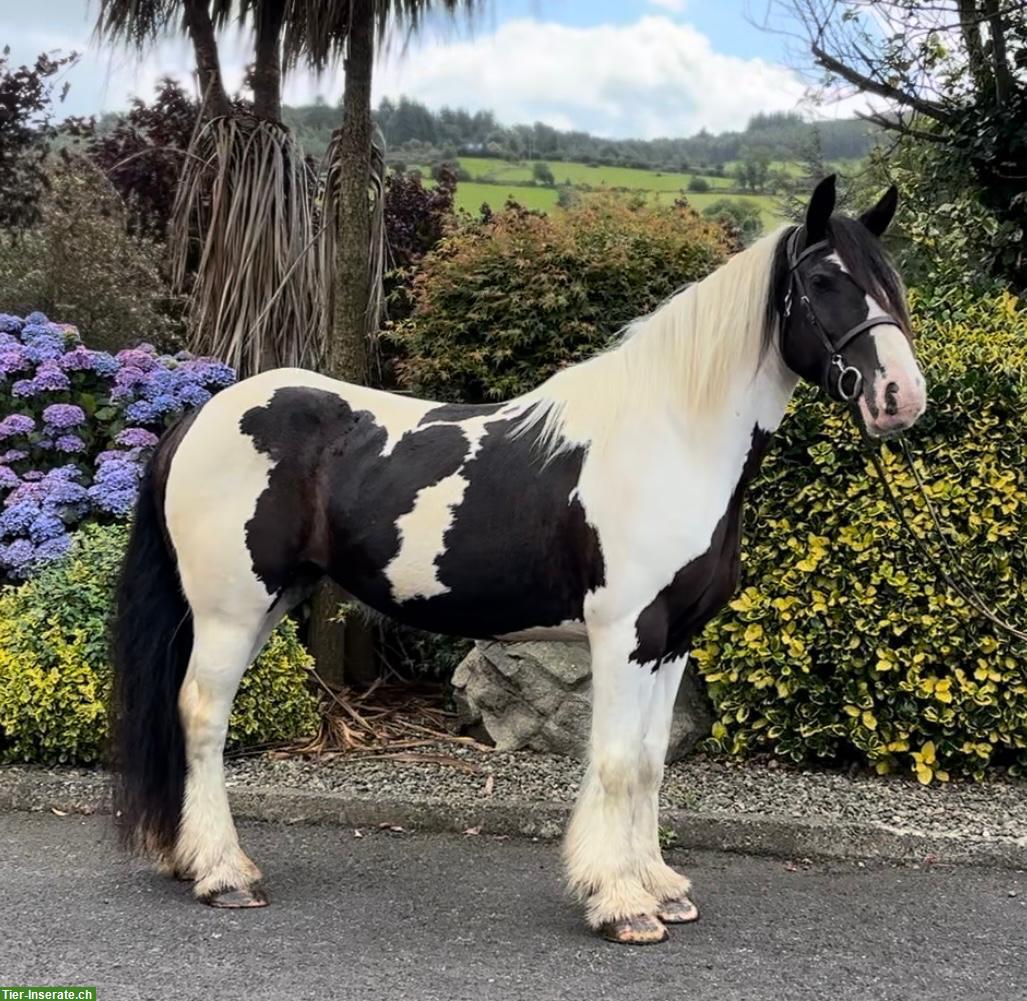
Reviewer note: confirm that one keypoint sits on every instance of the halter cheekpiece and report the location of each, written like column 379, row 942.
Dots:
column 847, row 381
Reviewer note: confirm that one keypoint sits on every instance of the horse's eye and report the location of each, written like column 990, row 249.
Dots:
column 819, row 281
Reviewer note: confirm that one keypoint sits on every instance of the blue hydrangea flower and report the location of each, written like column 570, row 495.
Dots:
column 16, row 556
column 142, row 411
column 105, row 364
column 136, row 438
column 10, row 324
column 15, row 519
column 64, row 415
column 13, row 455
column 192, row 395
column 53, row 549
column 14, row 424
column 36, row 318
column 24, row 388
column 8, row 478
column 69, row 443
column 44, row 347
column 46, row 526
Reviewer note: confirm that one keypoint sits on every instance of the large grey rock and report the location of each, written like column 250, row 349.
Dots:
column 539, row 696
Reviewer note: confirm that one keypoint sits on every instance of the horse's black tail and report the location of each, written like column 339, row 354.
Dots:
column 151, row 644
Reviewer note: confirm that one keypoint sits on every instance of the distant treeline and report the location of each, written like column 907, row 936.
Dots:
column 414, row 131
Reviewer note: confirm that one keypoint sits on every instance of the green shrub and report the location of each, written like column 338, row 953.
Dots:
column 81, row 262
column 499, row 306
column 844, row 646
column 55, row 675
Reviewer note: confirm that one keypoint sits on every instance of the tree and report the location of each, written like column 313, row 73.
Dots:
column 542, row 174
column 950, row 74
column 320, row 32
column 26, row 132
column 244, row 206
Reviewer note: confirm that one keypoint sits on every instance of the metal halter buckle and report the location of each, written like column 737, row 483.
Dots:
column 847, row 372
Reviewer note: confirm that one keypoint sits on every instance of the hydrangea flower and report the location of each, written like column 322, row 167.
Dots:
column 69, row 443
column 191, row 395
column 14, row 359
column 136, row 438
column 50, row 378
column 16, row 556
column 46, row 495
column 64, row 415
column 14, row 424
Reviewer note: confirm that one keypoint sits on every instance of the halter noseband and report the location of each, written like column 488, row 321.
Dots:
column 848, row 382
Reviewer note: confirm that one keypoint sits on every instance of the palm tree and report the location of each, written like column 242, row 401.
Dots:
column 320, row 32
column 242, row 235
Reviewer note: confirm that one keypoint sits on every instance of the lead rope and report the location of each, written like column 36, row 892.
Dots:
column 964, row 588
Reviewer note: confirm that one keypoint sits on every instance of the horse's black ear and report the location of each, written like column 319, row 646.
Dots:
column 880, row 216
column 818, row 212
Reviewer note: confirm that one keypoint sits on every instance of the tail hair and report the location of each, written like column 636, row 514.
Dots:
column 152, row 641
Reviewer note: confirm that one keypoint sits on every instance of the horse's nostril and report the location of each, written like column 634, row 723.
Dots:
column 891, row 403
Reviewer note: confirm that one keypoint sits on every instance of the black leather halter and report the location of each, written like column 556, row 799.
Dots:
column 848, row 381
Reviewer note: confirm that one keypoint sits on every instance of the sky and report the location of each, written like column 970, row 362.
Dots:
column 618, row 68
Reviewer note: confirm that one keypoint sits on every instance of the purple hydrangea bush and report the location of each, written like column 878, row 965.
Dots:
column 76, row 426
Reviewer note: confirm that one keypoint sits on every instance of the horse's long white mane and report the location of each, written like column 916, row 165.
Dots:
column 686, row 355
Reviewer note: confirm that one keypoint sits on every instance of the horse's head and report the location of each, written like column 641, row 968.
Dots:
column 844, row 323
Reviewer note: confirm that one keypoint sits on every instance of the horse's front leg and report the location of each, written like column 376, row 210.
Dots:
column 604, row 867
column 671, row 888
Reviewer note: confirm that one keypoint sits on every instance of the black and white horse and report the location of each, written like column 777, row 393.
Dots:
column 605, row 504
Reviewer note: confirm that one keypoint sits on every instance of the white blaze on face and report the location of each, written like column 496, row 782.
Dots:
column 896, row 395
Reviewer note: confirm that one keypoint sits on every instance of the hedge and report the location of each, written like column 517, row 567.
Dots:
column 55, row 675
column 843, row 645
column 499, row 306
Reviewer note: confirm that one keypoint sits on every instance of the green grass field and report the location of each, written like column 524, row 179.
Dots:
column 497, row 180
column 470, row 195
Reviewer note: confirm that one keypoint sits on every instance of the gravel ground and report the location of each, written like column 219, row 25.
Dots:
column 996, row 810
column 458, row 776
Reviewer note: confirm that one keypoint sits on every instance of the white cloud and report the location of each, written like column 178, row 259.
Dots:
column 656, row 77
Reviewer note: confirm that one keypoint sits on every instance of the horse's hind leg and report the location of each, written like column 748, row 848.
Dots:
column 671, row 888
column 208, row 846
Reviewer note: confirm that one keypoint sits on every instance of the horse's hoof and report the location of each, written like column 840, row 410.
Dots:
column 642, row 929
column 679, row 911
column 238, row 897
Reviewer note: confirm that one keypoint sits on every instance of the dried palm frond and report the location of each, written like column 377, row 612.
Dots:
column 331, row 172
column 245, row 220
column 382, row 719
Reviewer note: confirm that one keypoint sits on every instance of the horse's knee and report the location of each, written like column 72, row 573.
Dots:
column 617, row 768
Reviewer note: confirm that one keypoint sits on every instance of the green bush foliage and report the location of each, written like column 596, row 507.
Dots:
column 81, row 261
column 55, row 675
column 844, row 646
column 499, row 306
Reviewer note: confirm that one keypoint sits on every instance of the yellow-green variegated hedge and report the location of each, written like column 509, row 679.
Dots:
column 843, row 644
column 55, row 675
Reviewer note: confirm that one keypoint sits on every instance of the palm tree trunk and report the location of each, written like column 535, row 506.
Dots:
column 348, row 351
column 346, row 649
column 208, row 66
column 267, row 67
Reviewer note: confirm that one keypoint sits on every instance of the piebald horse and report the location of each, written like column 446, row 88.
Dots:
column 604, row 505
